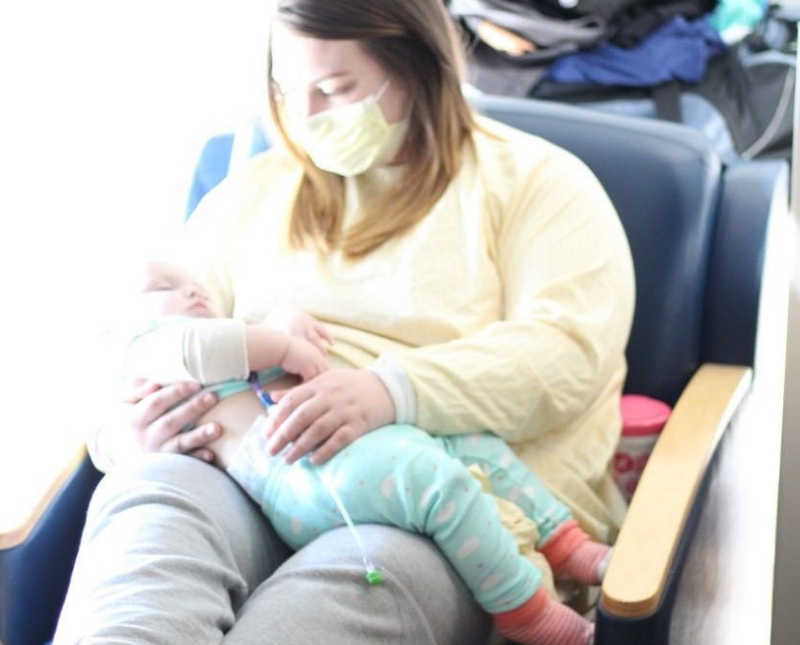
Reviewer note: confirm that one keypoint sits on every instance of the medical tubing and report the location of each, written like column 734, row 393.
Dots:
column 372, row 575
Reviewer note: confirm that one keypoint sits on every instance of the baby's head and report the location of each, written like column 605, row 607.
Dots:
column 168, row 290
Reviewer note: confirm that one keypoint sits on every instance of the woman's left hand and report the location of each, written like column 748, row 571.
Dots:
column 327, row 413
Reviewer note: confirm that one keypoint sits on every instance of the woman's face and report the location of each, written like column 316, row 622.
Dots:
column 315, row 75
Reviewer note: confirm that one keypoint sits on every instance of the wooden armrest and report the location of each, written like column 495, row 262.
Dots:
column 31, row 481
column 634, row 583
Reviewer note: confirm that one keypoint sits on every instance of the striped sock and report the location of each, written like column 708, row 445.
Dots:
column 587, row 564
column 543, row 621
column 573, row 556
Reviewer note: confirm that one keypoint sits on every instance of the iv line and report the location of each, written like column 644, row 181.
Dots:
column 373, row 575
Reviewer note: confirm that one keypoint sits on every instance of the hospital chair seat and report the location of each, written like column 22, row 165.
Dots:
column 698, row 234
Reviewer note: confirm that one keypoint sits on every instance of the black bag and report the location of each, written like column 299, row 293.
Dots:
column 754, row 92
column 605, row 9
column 630, row 27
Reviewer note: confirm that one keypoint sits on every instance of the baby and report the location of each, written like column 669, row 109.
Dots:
column 397, row 475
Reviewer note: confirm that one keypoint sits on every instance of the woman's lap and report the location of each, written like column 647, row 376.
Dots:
column 173, row 548
column 320, row 595
column 170, row 547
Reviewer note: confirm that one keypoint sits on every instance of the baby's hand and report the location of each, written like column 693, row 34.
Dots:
column 304, row 359
column 299, row 324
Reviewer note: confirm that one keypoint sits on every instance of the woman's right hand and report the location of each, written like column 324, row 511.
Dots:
column 154, row 425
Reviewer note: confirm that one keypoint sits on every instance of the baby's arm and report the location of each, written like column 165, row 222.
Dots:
column 268, row 347
column 296, row 322
column 218, row 349
column 200, row 350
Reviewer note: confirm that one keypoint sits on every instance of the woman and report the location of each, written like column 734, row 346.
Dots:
column 473, row 277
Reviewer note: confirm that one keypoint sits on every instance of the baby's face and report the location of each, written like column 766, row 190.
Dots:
column 169, row 290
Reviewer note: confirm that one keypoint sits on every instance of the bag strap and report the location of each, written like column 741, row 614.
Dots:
column 667, row 99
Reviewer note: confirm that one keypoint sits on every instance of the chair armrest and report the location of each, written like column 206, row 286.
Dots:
column 635, row 580
column 35, row 481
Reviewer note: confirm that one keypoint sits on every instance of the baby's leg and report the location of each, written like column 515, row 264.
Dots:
column 566, row 546
column 399, row 475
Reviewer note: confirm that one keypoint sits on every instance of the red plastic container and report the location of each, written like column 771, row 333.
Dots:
column 642, row 420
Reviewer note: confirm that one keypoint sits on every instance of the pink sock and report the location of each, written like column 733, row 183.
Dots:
column 572, row 555
column 543, row 621
column 587, row 564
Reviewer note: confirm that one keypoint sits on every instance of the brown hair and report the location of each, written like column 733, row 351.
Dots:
column 416, row 41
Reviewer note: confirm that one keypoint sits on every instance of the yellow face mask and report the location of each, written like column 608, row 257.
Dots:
column 350, row 139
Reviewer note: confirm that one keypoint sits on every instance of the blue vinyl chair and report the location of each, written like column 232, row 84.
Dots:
column 698, row 232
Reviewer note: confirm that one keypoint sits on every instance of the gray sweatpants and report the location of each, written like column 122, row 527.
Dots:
column 174, row 552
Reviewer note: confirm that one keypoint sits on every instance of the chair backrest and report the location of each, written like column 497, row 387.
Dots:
column 665, row 181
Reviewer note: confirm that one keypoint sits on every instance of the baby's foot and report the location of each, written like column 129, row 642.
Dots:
column 587, row 564
column 543, row 621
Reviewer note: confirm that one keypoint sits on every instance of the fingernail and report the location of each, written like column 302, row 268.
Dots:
column 209, row 398
column 212, row 431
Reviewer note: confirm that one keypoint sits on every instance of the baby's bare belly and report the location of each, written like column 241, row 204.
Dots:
column 236, row 414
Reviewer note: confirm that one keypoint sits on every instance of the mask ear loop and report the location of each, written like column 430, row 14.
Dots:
column 379, row 94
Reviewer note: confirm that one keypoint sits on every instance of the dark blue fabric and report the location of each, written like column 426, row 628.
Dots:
column 678, row 50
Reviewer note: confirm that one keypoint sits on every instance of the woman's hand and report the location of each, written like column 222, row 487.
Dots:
column 150, row 423
column 327, row 413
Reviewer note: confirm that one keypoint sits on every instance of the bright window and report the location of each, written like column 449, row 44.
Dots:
column 106, row 105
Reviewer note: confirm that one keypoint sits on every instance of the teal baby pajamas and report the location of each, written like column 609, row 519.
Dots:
column 401, row 476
